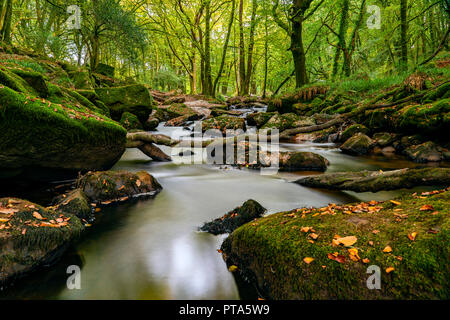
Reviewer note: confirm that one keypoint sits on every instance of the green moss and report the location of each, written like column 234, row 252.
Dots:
column 430, row 118
column 46, row 128
column 352, row 130
column 223, row 123
column 135, row 99
column 273, row 248
column 130, row 122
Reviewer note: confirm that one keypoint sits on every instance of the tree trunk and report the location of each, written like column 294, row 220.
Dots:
column 208, row 77
column 297, row 49
column 225, row 46
column 251, row 44
column 5, row 20
column 342, row 33
column 241, row 91
column 403, row 35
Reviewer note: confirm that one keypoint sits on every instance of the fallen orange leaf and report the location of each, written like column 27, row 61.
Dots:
column 308, row 260
column 390, row 269
column 347, row 241
column 412, row 236
column 37, row 215
column 427, row 207
column 387, row 249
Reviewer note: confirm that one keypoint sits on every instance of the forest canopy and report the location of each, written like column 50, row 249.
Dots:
column 233, row 47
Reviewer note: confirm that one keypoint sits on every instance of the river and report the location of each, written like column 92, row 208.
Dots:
column 152, row 249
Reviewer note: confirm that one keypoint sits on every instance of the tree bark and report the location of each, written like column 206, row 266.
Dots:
column 403, row 35
column 225, row 46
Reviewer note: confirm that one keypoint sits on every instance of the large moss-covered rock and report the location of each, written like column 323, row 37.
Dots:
column 135, row 99
column 35, row 80
column 249, row 211
column 57, row 139
column 358, row 144
column 31, row 236
column 298, row 254
column 108, row 186
column 105, row 70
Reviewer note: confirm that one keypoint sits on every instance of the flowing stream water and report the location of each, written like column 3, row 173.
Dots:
column 152, row 249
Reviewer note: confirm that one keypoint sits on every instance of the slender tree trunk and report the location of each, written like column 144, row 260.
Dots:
column 225, row 46
column 5, row 20
column 266, row 56
column 208, row 78
column 403, row 35
column 251, row 44
column 241, row 50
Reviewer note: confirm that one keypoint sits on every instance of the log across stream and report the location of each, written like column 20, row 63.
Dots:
column 152, row 249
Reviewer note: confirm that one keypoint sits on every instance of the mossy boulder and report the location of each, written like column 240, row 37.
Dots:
column 35, row 80
column 130, row 122
column 384, row 139
column 81, row 78
column 249, row 211
column 281, row 121
column 31, row 236
column 302, row 161
column 352, row 130
column 359, row 144
column 270, row 252
column 110, row 186
column 425, row 152
column 259, row 119
column 135, row 99
column 41, row 137
column 105, row 70
column 224, row 123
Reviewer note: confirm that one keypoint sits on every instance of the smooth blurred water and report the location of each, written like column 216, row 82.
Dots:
column 152, row 249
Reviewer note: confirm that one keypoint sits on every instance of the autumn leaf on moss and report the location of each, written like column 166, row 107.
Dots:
column 427, row 207
column 390, row 269
column 412, row 236
column 347, row 241
column 308, row 260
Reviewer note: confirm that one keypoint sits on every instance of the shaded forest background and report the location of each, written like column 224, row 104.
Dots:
column 234, row 47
